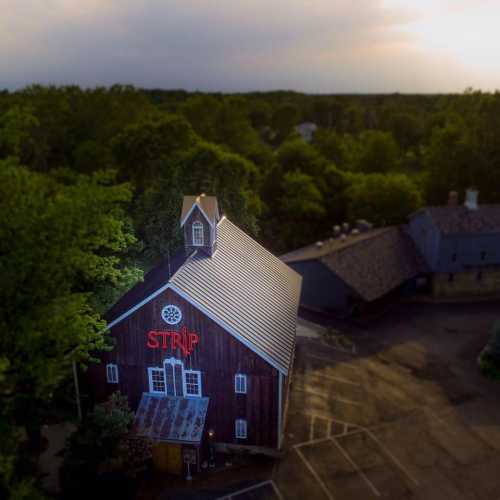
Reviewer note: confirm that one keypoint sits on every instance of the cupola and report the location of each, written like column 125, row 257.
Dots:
column 199, row 218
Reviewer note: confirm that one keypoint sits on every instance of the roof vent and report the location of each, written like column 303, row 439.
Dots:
column 363, row 225
column 471, row 196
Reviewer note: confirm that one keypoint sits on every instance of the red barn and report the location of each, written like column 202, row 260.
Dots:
column 206, row 342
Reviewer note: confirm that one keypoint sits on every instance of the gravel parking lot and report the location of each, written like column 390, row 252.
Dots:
column 407, row 417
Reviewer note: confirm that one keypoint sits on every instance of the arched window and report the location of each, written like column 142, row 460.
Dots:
column 198, row 234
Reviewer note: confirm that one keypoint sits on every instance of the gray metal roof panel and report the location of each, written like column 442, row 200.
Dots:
column 247, row 288
column 171, row 418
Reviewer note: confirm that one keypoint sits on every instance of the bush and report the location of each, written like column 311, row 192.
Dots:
column 489, row 359
column 101, row 453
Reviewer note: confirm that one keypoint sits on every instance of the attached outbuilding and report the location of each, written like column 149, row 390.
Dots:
column 355, row 271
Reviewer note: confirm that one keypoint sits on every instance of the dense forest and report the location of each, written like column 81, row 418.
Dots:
column 91, row 184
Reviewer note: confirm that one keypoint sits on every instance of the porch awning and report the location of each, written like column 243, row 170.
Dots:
column 171, row 419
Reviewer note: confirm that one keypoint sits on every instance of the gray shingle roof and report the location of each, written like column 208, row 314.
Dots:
column 249, row 290
column 375, row 266
column 461, row 220
column 372, row 263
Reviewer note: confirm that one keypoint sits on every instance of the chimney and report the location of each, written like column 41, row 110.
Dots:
column 471, row 196
column 199, row 218
column 452, row 199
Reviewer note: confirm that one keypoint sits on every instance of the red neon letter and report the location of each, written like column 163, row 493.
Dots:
column 152, row 340
column 193, row 339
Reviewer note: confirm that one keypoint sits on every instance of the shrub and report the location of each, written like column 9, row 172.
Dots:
column 489, row 359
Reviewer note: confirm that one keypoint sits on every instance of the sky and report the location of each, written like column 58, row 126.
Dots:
column 313, row 46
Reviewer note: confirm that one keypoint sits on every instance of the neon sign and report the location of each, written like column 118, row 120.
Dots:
column 183, row 340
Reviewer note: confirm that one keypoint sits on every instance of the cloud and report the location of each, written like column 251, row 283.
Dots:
column 320, row 46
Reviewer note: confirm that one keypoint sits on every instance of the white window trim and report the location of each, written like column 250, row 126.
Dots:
column 243, row 383
column 196, row 225
column 112, row 373
column 240, row 428
column 173, row 362
column 189, row 395
column 150, row 377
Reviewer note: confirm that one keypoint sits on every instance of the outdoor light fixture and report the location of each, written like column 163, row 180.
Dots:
column 211, row 448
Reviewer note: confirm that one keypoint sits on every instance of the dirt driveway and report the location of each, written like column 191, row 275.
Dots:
column 407, row 417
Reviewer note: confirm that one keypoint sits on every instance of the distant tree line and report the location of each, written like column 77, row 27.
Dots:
column 91, row 185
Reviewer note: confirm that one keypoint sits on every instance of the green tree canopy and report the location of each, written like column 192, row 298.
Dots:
column 382, row 198
column 60, row 241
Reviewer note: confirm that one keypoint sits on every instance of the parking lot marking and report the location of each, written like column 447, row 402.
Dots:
column 331, row 360
column 323, row 395
column 315, row 474
column 329, row 428
column 393, row 458
column 312, row 441
column 356, row 467
column 311, row 428
column 338, row 379
column 251, row 488
column 277, row 491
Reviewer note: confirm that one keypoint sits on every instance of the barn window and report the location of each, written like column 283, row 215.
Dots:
column 240, row 383
column 112, row 373
column 156, row 380
column 192, row 383
column 240, row 428
column 174, row 377
column 198, row 234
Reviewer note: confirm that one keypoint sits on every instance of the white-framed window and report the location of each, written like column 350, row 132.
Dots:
column 156, row 380
column 240, row 428
column 240, row 383
column 192, row 383
column 112, row 373
column 197, row 234
column 174, row 376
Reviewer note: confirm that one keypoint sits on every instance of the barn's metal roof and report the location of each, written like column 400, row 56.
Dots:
column 247, row 289
column 170, row 418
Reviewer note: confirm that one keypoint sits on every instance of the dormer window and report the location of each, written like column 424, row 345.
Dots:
column 197, row 234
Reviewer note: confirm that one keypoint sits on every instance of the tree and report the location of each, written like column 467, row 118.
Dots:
column 301, row 209
column 331, row 146
column 17, row 126
column 382, row 198
column 298, row 155
column 378, row 152
column 284, row 118
column 145, row 148
column 61, row 238
column 234, row 180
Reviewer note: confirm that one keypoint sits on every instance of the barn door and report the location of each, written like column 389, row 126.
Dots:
column 174, row 373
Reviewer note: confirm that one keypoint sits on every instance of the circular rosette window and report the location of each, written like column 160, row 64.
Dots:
column 171, row 314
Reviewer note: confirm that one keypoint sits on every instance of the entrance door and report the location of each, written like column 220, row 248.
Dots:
column 167, row 457
column 174, row 373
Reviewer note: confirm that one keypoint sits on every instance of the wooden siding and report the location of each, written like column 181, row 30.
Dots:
column 219, row 356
